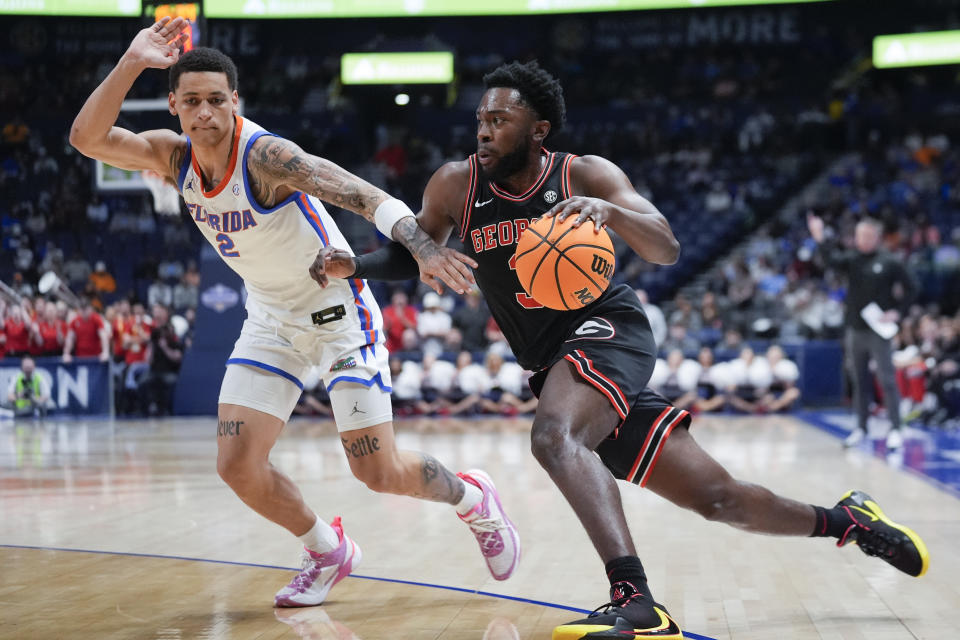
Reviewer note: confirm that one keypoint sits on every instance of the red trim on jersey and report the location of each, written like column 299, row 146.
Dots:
column 547, row 167
column 230, row 166
column 586, row 375
column 659, row 450
column 623, row 398
column 565, row 179
column 467, row 208
column 646, row 443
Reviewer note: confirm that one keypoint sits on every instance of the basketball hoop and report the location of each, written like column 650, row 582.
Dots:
column 166, row 198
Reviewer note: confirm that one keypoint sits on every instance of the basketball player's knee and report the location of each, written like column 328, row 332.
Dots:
column 550, row 440
column 381, row 478
column 237, row 472
column 720, row 503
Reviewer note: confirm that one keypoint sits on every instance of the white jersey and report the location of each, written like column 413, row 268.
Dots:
column 273, row 248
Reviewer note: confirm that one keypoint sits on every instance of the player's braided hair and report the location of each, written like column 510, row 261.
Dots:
column 538, row 89
column 204, row 59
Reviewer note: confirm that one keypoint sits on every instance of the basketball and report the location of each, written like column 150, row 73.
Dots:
column 562, row 266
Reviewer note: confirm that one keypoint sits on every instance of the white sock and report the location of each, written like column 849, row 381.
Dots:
column 472, row 496
column 321, row 538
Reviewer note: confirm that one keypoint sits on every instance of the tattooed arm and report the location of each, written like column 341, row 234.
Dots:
column 278, row 167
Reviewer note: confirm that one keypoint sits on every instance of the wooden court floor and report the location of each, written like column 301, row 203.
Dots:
column 123, row 530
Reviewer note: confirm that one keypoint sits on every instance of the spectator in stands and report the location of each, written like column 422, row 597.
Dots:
column 135, row 346
column 710, row 382
column 685, row 314
column 407, row 377
column 471, row 321
column 679, row 339
column 748, row 378
column 101, row 282
column 433, row 324
column 437, row 380
column 782, row 394
column 159, row 293
column 28, row 393
column 17, row 329
column 185, row 294
column 88, row 336
column 470, row 383
column 77, row 271
column 166, row 354
column 658, row 323
column 399, row 318
column 676, row 379
column 506, row 385
column 732, row 340
column 97, row 212
column 49, row 332
column 874, row 278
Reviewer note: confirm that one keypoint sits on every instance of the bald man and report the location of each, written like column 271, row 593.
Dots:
column 872, row 276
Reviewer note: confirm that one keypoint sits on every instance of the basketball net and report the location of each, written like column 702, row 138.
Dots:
column 166, row 198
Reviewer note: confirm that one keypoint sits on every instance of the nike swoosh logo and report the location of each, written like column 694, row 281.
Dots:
column 873, row 517
column 479, row 204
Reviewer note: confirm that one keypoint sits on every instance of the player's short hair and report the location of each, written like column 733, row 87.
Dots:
column 204, row 59
column 537, row 88
column 872, row 222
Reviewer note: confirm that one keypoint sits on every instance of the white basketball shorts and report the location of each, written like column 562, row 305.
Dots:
column 271, row 358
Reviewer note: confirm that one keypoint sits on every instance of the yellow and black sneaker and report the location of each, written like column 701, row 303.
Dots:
column 879, row 536
column 628, row 615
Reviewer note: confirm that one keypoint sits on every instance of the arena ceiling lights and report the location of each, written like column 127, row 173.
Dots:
column 401, row 8
column 365, row 8
column 421, row 67
column 916, row 49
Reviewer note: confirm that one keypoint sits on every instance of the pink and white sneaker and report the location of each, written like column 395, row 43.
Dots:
column 498, row 538
column 319, row 572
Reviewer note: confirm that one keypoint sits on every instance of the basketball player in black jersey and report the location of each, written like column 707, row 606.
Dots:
column 592, row 364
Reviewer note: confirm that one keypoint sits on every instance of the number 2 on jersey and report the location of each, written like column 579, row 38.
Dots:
column 226, row 246
column 525, row 301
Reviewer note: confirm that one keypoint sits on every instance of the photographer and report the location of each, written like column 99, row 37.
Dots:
column 28, row 393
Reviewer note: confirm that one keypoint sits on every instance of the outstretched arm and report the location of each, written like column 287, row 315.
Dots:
column 610, row 200
column 277, row 164
column 441, row 202
column 93, row 133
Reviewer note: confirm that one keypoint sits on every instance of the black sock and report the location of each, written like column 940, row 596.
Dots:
column 831, row 522
column 628, row 569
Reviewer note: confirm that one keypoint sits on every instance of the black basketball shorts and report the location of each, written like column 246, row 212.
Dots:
column 614, row 351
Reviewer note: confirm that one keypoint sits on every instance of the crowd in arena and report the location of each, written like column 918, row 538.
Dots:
column 143, row 345
column 716, row 135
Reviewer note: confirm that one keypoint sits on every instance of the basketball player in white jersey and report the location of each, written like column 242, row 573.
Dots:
column 256, row 199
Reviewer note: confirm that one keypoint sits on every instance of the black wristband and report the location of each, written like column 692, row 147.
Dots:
column 392, row 262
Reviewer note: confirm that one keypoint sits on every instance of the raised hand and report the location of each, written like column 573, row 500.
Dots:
column 158, row 46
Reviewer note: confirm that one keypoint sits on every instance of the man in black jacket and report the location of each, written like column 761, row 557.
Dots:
column 873, row 276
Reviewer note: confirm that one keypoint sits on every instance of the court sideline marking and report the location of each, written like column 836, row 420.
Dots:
column 820, row 421
column 694, row 636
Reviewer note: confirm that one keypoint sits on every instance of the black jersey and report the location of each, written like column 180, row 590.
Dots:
column 491, row 223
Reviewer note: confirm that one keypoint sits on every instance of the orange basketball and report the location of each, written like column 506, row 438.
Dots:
column 563, row 267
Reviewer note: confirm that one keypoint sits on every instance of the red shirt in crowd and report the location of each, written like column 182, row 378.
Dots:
column 18, row 336
column 52, row 335
column 395, row 324
column 137, row 346
column 87, row 331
